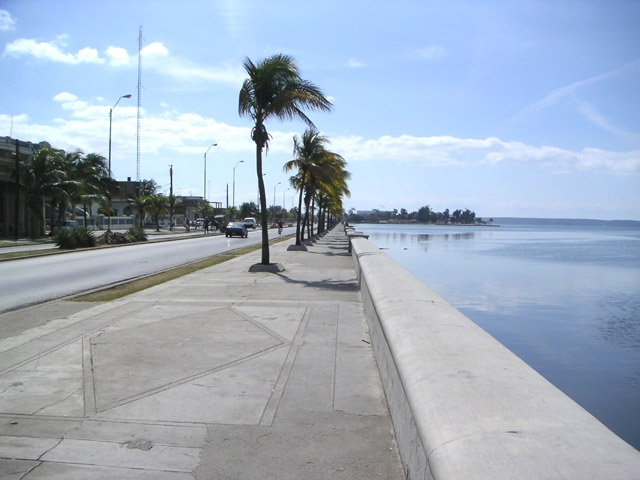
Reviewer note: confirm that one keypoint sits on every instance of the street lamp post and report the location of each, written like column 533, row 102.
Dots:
column 284, row 205
column 204, row 196
column 110, row 125
column 274, row 200
column 234, row 183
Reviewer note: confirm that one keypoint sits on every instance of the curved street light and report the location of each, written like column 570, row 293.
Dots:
column 204, row 195
column 110, row 125
column 234, row 183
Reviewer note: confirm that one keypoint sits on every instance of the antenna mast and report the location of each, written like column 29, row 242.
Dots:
column 139, row 102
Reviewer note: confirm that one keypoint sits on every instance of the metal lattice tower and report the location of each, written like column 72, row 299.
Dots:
column 139, row 102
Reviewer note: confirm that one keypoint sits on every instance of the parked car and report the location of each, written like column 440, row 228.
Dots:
column 250, row 222
column 65, row 225
column 236, row 228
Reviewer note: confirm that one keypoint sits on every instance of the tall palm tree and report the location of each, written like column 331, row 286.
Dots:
column 319, row 171
column 275, row 89
column 308, row 150
column 173, row 203
column 140, row 201
column 70, row 186
column 86, row 172
column 158, row 205
column 42, row 178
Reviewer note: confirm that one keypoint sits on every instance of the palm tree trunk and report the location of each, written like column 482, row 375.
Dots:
column 305, row 221
column 263, row 205
column 299, row 223
column 52, row 206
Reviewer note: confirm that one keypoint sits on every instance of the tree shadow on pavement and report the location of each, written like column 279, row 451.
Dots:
column 339, row 285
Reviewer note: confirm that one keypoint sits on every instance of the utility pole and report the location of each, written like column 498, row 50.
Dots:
column 139, row 104
column 171, row 202
column 227, row 196
column 17, row 200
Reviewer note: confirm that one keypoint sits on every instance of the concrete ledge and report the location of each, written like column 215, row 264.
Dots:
column 463, row 405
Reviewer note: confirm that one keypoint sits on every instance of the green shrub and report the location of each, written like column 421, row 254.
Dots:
column 136, row 234
column 75, row 237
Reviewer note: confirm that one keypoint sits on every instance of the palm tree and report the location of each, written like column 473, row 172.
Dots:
column 173, row 204
column 275, row 89
column 70, row 186
column 42, row 178
column 158, row 204
column 319, row 170
column 146, row 189
column 308, row 151
column 90, row 172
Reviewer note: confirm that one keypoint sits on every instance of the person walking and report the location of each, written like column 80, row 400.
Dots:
column 206, row 226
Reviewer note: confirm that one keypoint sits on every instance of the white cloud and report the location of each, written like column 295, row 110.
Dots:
column 589, row 112
column 174, row 133
column 51, row 51
column 445, row 150
column 560, row 93
column 155, row 49
column 65, row 97
column 429, row 53
column 6, row 21
column 355, row 63
column 157, row 57
column 117, row 56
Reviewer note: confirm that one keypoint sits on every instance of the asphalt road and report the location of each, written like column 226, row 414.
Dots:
column 29, row 281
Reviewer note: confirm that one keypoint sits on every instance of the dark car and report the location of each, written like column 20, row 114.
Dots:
column 236, row 228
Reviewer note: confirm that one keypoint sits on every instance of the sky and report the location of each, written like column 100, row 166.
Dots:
column 508, row 108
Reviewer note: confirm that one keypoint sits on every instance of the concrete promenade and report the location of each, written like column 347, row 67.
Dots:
column 221, row 374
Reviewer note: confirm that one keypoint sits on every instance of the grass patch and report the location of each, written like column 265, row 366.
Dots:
column 124, row 289
column 28, row 253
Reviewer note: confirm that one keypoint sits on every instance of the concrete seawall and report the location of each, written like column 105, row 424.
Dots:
column 463, row 405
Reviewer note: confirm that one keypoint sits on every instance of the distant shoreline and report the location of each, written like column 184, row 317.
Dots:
column 498, row 221
column 565, row 221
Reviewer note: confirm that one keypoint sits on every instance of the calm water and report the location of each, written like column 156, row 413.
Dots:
column 564, row 299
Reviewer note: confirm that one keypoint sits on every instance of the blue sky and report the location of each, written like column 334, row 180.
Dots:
column 508, row 108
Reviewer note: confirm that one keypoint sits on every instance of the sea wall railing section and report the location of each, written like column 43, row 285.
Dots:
column 463, row 405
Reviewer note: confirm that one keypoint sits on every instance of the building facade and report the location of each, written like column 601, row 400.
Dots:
column 14, row 212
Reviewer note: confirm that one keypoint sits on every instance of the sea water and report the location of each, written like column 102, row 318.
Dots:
column 565, row 299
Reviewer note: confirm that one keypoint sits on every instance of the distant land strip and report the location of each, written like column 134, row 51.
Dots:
column 566, row 221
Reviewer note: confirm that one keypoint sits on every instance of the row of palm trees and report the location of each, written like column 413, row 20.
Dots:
column 64, row 179
column 274, row 89
column 75, row 179
column 321, row 180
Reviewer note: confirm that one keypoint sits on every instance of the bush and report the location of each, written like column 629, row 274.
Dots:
column 136, row 234
column 75, row 237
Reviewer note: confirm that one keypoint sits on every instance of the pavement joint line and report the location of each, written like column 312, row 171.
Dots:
column 271, row 407
column 88, row 381
column 335, row 357
column 189, row 378
column 66, row 342
column 257, row 324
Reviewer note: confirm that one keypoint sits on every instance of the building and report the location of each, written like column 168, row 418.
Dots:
column 15, row 215
column 14, row 212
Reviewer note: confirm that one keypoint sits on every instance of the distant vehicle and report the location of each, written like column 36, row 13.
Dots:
column 250, row 222
column 66, row 225
column 236, row 228
column 219, row 221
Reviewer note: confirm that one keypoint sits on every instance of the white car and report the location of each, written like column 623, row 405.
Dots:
column 250, row 222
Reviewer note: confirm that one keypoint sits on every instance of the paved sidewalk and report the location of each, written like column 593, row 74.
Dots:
column 221, row 374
